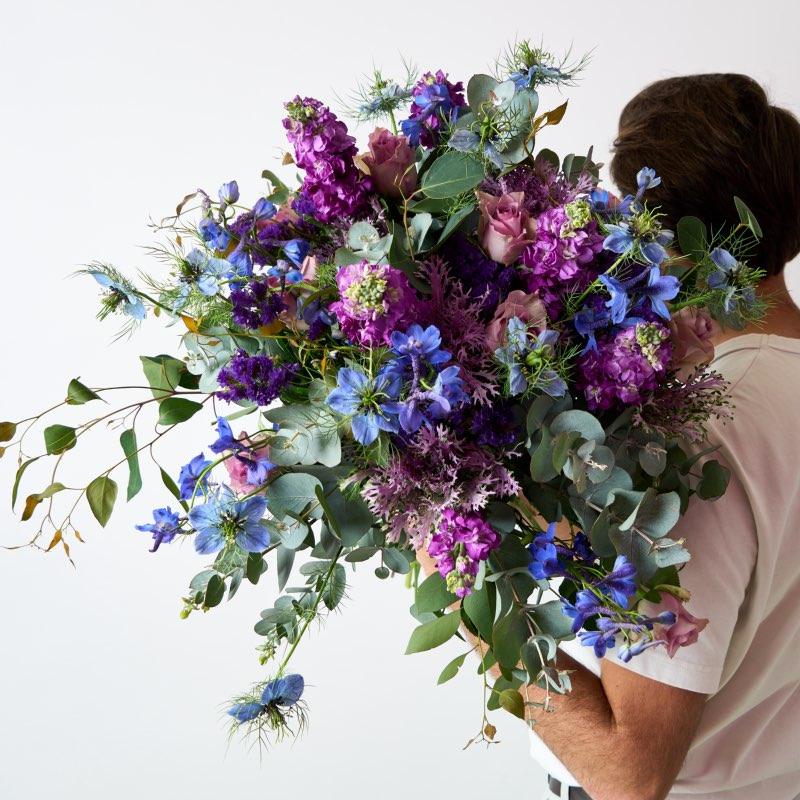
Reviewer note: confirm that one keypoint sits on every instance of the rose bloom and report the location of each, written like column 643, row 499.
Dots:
column 390, row 162
column 528, row 307
column 691, row 331
column 237, row 469
column 505, row 228
column 684, row 631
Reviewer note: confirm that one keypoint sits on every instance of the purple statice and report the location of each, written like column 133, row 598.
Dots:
column 374, row 300
column 486, row 281
column 333, row 185
column 436, row 104
column 457, row 314
column 496, row 424
column 458, row 546
column 436, row 470
column 255, row 378
column 303, row 205
column 562, row 258
column 256, row 304
column 626, row 367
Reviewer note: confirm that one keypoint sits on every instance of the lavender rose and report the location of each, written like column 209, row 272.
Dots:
column 505, row 228
column 691, row 331
column 391, row 164
column 527, row 307
column 684, row 631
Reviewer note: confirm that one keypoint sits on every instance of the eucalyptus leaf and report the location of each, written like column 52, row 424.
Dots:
column 292, row 492
column 78, row 394
column 509, row 634
column 163, row 373
column 432, row 594
column 747, row 217
column 127, row 441
column 451, row 670
column 692, row 237
column 59, row 439
column 174, row 410
column 434, row 633
column 101, row 494
column 452, row 174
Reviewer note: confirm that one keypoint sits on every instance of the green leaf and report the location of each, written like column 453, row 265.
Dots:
column 479, row 94
column 59, row 439
column 78, row 394
column 285, row 560
column 397, row 560
column 692, row 237
column 334, row 589
column 452, row 174
column 714, row 482
column 550, row 156
column 172, row 487
column 551, row 620
column 451, row 670
column 432, row 634
column 18, row 478
column 584, row 423
column 479, row 606
column 511, row 700
column 292, row 493
column 215, row 591
column 102, row 494
column 432, row 594
column 163, row 374
column 32, row 501
column 255, row 567
column 747, row 217
column 175, row 410
column 453, row 223
column 562, row 444
column 280, row 191
column 542, row 459
column 127, row 440
column 353, row 519
column 7, row 431
column 509, row 634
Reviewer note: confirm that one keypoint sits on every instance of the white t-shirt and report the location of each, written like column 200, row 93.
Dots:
column 744, row 577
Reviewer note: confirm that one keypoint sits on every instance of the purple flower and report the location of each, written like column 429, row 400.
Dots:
column 620, row 583
column 165, row 527
column 256, row 378
column 436, row 103
column 460, row 543
column 427, row 406
column 256, row 304
column 296, row 250
column 544, row 556
column 599, row 640
column 194, row 475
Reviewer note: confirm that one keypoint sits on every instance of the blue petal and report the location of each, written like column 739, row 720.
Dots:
column 208, row 540
column 254, row 538
column 343, row 401
column 365, row 428
column 205, row 516
column 245, row 712
column 352, row 379
column 654, row 252
column 253, row 508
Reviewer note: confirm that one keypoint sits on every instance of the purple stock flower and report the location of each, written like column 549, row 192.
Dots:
column 256, row 378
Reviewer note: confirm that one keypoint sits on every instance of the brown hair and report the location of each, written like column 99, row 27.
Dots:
column 711, row 137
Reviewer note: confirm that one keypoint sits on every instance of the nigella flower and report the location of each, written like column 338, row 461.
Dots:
column 726, row 268
column 256, row 304
column 528, row 361
column 228, row 193
column 213, row 234
column 165, row 527
column 279, row 693
column 369, row 402
column 194, row 477
column 544, row 556
column 620, row 583
column 257, row 378
column 606, row 204
column 121, row 295
column 223, row 520
column 203, row 270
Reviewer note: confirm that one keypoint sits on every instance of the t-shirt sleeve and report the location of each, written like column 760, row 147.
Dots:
column 721, row 536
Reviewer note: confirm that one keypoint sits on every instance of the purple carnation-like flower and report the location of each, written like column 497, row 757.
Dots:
column 626, row 366
column 256, row 304
column 460, row 543
column 333, row 186
column 375, row 299
column 436, row 103
column 561, row 259
column 255, row 378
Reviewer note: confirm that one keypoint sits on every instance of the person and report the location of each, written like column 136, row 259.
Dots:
column 719, row 720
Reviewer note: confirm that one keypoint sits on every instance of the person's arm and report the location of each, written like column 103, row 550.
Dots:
column 623, row 736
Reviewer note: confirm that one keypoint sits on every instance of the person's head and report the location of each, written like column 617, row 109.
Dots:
column 711, row 137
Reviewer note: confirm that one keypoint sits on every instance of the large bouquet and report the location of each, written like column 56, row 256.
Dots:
column 452, row 344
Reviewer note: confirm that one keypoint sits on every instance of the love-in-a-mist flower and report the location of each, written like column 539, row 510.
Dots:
column 369, row 403
column 120, row 296
column 279, row 693
column 225, row 520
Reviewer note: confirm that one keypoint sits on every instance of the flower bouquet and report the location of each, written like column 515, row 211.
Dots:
column 455, row 344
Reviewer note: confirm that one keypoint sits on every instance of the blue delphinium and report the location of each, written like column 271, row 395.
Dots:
column 418, row 345
column 278, row 694
column 263, row 209
column 285, row 272
column 620, row 583
column 588, row 321
column 658, row 289
column 296, row 250
column 213, row 234
column 369, row 402
column 193, row 475
column 544, row 556
column 428, row 406
column 255, row 461
column 224, row 520
column 165, row 527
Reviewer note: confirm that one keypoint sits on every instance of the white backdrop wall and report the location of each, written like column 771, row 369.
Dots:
column 109, row 113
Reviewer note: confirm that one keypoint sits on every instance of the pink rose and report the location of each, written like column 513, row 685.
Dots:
column 691, row 331
column 391, row 163
column 505, row 228
column 528, row 307
column 237, row 468
column 684, row 631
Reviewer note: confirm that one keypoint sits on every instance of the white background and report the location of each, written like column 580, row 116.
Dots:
column 110, row 113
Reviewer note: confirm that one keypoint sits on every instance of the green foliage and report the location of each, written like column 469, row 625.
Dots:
column 480, row 606
column 748, row 218
column 509, row 634
column 432, row 634
column 59, row 439
column 292, row 493
column 511, row 700
column 102, row 494
column 163, row 374
column 714, row 481
column 452, row 174
column 692, row 237
column 432, row 594
column 551, row 620
column 78, row 394
column 7, row 431
column 174, row 410
column 127, row 441
column 451, row 670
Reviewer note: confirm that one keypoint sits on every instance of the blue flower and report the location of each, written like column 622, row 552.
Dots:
column 587, row 321
column 263, row 209
column 600, row 640
column 646, row 178
column 225, row 439
column 582, row 547
column 412, row 129
column 213, row 234
column 205, row 271
column 417, row 343
column 241, row 262
column 131, row 304
column 726, row 268
column 228, row 192
column 620, row 583
column 538, row 72
column 586, row 605
column 431, row 405
column 369, row 402
column 622, row 239
column 191, row 476
column 518, row 343
column 544, row 556
column 659, row 289
column 604, row 203
column 618, row 301
column 223, row 520
column 165, row 527
column 285, row 272
column 281, row 692
column 296, row 250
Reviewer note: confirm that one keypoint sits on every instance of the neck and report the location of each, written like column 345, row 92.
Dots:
column 782, row 317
